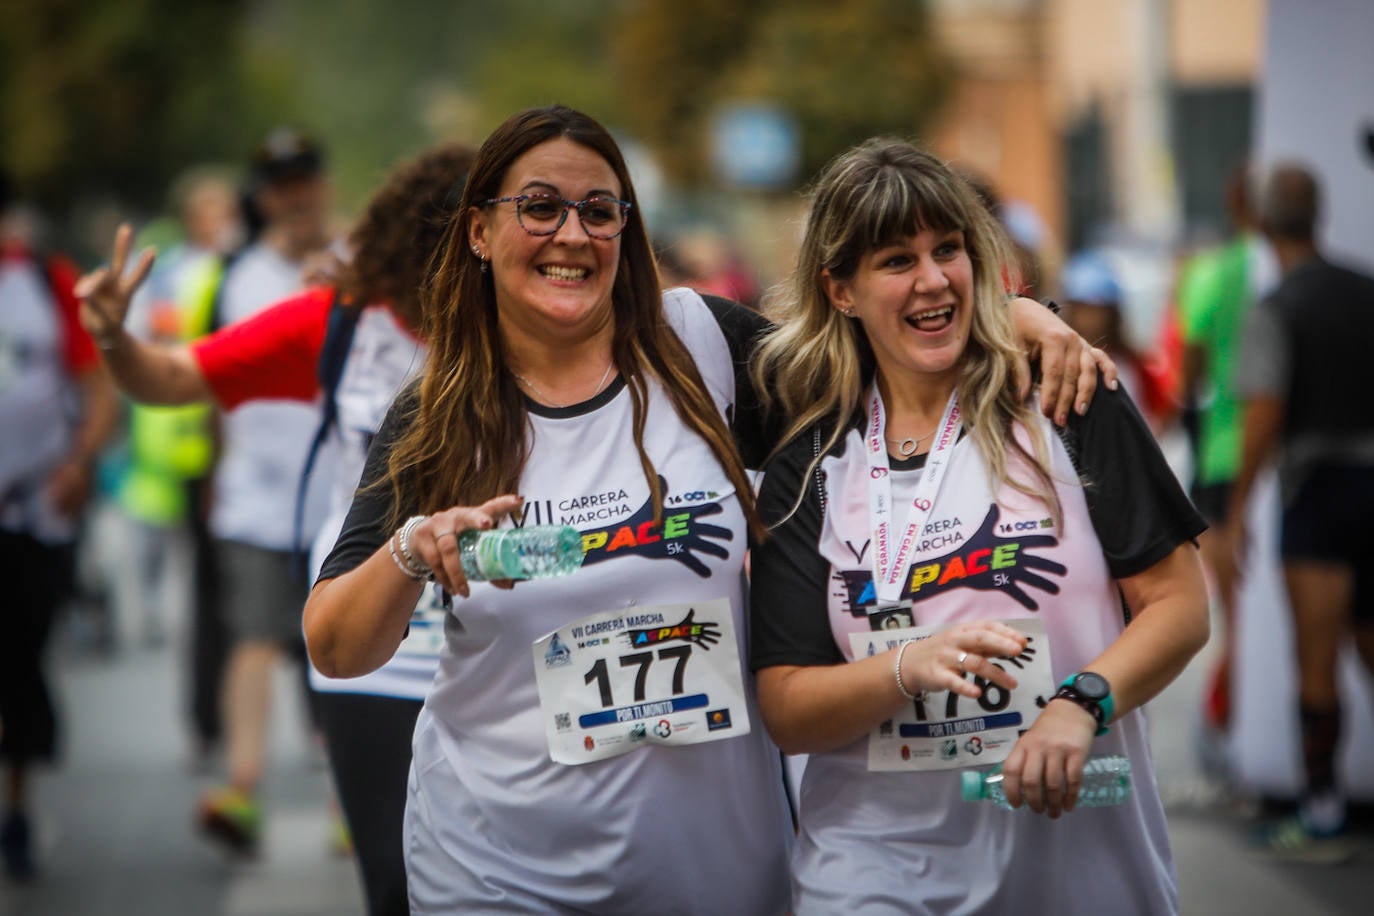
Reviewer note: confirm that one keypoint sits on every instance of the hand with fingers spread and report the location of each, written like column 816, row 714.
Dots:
column 1068, row 363
column 106, row 292
column 433, row 542
column 941, row 661
column 1045, row 767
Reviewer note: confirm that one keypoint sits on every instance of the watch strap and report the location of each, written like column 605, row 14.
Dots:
column 1101, row 710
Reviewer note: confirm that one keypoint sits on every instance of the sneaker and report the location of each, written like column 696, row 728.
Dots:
column 16, row 846
column 1288, row 840
column 231, row 817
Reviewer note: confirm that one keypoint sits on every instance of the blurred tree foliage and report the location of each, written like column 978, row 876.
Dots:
column 110, row 99
column 845, row 71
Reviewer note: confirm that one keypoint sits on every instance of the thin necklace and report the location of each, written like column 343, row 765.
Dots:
column 550, row 401
column 907, row 447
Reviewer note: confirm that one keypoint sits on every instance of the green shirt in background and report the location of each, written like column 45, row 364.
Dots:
column 171, row 445
column 1215, row 292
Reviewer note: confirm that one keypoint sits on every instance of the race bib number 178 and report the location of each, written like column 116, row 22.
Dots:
column 943, row 730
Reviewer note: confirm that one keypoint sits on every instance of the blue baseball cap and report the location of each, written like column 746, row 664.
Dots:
column 1089, row 277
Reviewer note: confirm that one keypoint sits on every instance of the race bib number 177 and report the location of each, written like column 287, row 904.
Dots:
column 619, row 680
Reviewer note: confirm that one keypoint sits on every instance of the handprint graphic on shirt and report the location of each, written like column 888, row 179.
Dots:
column 984, row 562
column 681, row 536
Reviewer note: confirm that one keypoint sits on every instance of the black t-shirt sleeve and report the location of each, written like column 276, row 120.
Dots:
column 743, row 329
column 1139, row 511
column 789, row 623
column 364, row 527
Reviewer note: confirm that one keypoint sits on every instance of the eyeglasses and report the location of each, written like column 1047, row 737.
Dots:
column 544, row 214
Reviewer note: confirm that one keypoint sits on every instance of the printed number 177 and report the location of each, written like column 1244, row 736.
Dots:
column 601, row 674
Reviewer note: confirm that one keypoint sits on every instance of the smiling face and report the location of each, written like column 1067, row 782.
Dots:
column 553, row 282
column 914, row 299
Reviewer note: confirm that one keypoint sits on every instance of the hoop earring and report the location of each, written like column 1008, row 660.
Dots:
column 477, row 252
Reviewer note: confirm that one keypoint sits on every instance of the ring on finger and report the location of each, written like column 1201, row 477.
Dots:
column 444, row 534
column 962, row 656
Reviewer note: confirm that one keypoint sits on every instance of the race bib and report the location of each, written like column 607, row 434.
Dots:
column 943, row 730
column 425, row 639
column 619, row 680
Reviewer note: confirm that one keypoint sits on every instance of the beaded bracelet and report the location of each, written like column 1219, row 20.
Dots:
column 418, row 568
column 401, row 564
column 897, row 670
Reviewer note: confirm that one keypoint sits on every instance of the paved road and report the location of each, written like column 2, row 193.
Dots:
column 115, row 827
column 116, row 834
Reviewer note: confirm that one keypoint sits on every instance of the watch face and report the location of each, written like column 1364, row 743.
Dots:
column 1091, row 686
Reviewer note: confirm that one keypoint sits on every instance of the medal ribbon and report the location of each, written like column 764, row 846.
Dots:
column 891, row 557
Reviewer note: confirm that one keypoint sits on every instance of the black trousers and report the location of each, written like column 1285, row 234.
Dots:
column 369, row 752
column 209, row 643
column 34, row 578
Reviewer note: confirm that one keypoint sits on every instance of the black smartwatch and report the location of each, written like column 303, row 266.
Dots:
column 1091, row 691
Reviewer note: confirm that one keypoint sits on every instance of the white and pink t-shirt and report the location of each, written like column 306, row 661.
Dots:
column 905, row 841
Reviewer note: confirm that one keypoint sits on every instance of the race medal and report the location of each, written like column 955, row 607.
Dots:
column 942, row 730
column 425, row 637
column 619, row 680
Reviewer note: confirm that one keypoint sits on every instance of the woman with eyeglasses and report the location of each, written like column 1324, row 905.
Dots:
column 590, row 743
column 949, row 580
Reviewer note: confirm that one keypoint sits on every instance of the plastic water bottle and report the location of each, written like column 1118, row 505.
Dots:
column 534, row 552
column 1106, row 781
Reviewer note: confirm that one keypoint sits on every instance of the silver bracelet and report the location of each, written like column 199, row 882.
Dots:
column 897, row 671
column 401, row 564
column 419, row 568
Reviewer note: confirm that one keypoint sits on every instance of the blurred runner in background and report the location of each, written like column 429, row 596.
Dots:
column 358, row 340
column 1216, row 290
column 1302, row 374
column 57, row 408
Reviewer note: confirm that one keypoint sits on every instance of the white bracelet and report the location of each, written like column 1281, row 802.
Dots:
column 401, row 564
column 897, row 670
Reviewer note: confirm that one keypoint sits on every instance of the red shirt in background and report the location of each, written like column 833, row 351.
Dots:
column 272, row 355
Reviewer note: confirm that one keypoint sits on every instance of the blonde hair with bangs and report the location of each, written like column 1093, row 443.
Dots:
column 817, row 365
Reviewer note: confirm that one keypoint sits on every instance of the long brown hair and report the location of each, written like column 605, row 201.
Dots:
column 468, row 439
column 820, row 363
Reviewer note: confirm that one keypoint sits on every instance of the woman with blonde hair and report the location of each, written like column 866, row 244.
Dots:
column 948, row 581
